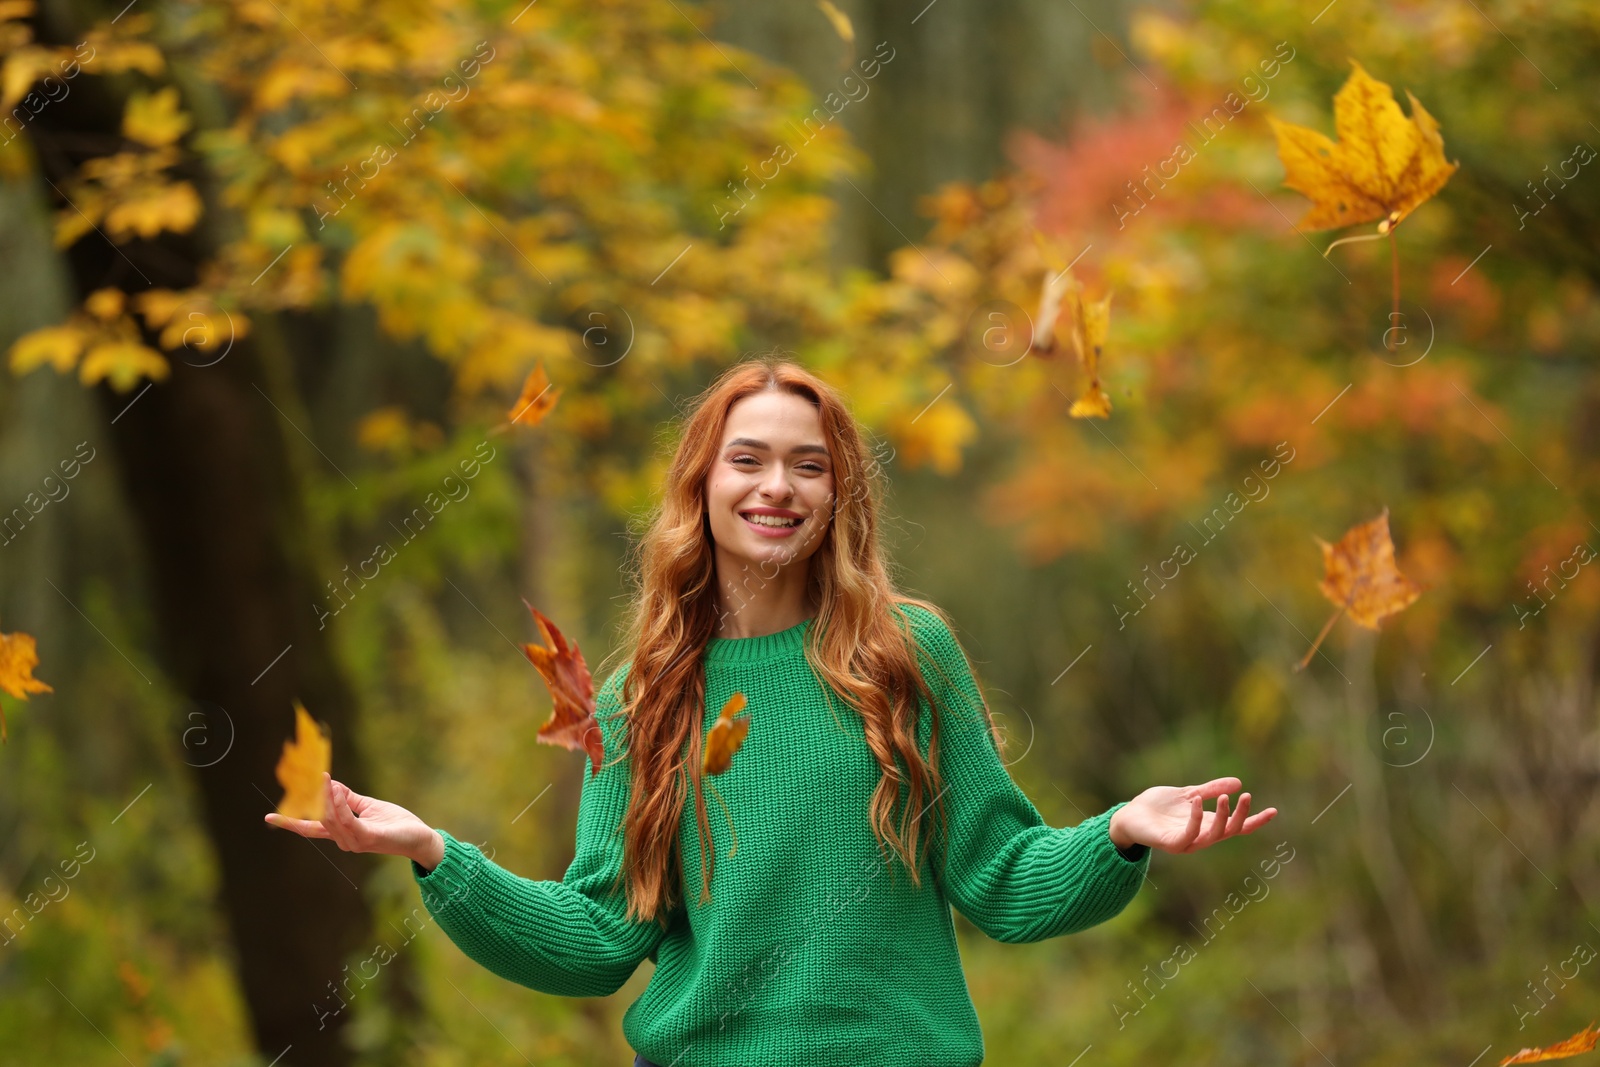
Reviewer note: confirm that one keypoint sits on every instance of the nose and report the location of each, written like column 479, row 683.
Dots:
column 776, row 485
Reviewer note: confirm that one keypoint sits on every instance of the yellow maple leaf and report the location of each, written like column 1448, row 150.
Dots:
column 123, row 363
column 58, row 346
column 301, row 766
column 1383, row 167
column 19, row 655
column 155, row 118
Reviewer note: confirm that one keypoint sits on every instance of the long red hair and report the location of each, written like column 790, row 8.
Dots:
column 862, row 650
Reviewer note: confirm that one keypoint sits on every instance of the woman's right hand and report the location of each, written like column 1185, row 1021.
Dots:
column 366, row 824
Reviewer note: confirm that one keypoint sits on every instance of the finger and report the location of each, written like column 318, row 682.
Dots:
column 1239, row 814
column 1192, row 831
column 1219, row 821
column 303, row 827
column 1256, row 822
column 1216, row 787
column 338, row 818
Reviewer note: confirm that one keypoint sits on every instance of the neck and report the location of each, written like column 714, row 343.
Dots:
column 755, row 599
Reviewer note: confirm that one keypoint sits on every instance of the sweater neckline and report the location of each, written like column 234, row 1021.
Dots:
column 757, row 649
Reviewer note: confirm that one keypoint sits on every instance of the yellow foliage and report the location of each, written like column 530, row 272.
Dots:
column 155, row 118
column 174, row 207
column 123, row 363
column 58, row 346
column 936, row 436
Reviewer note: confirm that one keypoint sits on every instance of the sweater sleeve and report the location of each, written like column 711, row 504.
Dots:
column 568, row 938
column 1015, row 877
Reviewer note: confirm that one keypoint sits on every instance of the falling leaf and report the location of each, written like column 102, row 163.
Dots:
column 1361, row 578
column 1582, row 1041
column 726, row 736
column 301, row 767
column 19, row 655
column 155, row 118
column 841, row 21
column 1383, row 167
column 1090, row 322
column 572, row 723
column 537, row 399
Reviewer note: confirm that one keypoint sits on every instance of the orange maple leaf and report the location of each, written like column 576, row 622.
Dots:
column 301, row 766
column 1582, row 1041
column 726, row 736
column 572, row 723
column 537, row 399
column 1361, row 578
column 19, row 655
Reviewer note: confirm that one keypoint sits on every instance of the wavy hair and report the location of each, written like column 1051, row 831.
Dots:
column 863, row 651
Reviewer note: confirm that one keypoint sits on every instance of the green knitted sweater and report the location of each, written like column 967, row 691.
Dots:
column 812, row 950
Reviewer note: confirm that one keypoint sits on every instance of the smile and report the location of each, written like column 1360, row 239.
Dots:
column 777, row 522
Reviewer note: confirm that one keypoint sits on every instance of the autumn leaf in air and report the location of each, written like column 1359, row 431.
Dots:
column 726, row 736
column 1089, row 324
column 19, row 655
column 301, row 767
column 840, row 21
column 572, row 723
column 1383, row 167
column 537, row 399
column 1361, row 578
column 1582, row 1041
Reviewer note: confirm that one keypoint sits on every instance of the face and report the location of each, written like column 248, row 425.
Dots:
column 769, row 492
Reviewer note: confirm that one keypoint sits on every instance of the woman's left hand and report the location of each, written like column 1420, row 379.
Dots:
column 1174, row 819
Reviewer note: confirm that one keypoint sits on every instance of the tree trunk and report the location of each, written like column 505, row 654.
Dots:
column 203, row 460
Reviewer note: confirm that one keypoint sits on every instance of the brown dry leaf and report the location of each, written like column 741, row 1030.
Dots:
column 572, row 723
column 1582, row 1041
column 301, row 767
column 1384, row 165
column 726, row 736
column 537, row 399
column 1361, row 578
column 19, row 655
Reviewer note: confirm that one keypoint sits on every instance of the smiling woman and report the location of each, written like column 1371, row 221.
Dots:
column 870, row 790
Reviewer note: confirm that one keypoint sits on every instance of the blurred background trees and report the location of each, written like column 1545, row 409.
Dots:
column 373, row 222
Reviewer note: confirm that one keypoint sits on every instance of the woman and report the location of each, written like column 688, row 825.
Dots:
column 869, row 796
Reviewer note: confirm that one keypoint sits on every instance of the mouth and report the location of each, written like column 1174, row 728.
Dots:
column 768, row 522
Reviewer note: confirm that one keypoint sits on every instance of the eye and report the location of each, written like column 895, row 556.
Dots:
column 743, row 456
column 813, row 466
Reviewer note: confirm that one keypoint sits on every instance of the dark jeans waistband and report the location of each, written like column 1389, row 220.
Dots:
column 640, row 1061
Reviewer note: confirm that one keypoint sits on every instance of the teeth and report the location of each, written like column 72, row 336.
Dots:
column 771, row 520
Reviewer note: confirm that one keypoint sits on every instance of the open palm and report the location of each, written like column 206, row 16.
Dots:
column 358, row 823
column 1174, row 819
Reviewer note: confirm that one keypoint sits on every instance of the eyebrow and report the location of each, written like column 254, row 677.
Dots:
column 751, row 442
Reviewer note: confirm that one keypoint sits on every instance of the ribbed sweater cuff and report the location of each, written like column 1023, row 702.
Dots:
column 452, row 879
column 1134, row 854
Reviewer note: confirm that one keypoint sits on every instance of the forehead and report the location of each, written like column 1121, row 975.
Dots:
column 776, row 420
